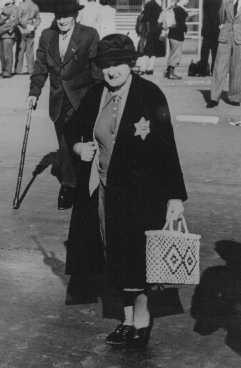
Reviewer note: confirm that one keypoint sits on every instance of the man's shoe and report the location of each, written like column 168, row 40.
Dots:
column 234, row 103
column 174, row 77
column 172, row 74
column 6, row 75
column 212, row 103
column 121, row 336
column 66, row 197
column 167, row 72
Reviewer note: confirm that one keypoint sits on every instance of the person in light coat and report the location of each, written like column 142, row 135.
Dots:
column 228, row 58
column 29, row 20
column 8, row 25
column 108, row 18
column 90, row 15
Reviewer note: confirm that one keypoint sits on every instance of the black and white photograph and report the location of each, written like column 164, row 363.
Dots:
column 120, row 189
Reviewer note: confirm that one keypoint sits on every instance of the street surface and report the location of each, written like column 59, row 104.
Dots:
column 37, row 330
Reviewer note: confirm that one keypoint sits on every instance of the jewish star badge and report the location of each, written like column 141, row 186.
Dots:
column 142, row 128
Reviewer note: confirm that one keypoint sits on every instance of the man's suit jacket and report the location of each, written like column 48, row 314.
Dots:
column 72, row 76
column 230, row 24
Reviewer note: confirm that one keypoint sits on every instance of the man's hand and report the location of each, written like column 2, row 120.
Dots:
column 32, row 102
column 175, row 209
column 86, row 150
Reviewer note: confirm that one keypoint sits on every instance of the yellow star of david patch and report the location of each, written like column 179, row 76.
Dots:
column 142, row 128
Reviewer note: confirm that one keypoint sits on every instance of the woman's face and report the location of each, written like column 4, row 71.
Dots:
column 116, row 76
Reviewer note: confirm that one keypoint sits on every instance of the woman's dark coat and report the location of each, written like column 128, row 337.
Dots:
column 153, row 47
column 143, row 175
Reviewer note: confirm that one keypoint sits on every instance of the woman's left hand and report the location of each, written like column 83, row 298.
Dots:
column 175, row 209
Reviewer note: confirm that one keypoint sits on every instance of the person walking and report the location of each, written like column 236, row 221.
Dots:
column 29, row 20
column 228, row 59
column 108, row 18
column 210, row 32
column 176, row 36
column 90, row 15
column 130, row 180
column 64, row 54
column 153, row 46
column 8, row 23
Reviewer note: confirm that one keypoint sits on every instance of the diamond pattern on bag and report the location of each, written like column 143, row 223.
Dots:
column 173, row 259
column 189, row 261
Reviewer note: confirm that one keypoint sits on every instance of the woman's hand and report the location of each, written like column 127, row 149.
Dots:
column 175, row 209
column 86, row 151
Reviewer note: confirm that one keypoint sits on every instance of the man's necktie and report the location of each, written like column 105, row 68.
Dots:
column 235, row 8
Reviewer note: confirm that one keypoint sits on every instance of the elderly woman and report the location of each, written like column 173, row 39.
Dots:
column 130, row 181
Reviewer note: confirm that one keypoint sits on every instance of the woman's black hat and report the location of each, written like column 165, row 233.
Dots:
column 115, row 49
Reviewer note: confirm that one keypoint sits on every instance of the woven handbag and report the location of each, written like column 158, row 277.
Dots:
column 172, row 256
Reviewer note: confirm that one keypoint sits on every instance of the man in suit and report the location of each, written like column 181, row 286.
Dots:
column 228, row 59
column 64, row 54
column 210, row 32
column 29, row 20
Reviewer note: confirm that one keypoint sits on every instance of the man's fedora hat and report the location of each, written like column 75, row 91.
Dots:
column 66, row 7
column 115, row 49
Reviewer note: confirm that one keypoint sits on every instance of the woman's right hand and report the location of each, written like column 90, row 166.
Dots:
column 86, row 151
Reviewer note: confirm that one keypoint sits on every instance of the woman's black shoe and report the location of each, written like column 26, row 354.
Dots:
column 120, row 336
column 140, row 337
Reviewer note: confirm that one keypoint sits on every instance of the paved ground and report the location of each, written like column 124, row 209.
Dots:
column 36, row 329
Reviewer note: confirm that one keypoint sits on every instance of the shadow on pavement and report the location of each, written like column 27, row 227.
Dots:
column 216, row 303
column 49, row 258
column 51, row 159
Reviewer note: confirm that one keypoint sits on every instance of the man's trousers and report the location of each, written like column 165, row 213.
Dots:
column 6, row 51
column 228, row 61
column 175, row 52
column 65, row 160
column 209, row 45
column 26, row 47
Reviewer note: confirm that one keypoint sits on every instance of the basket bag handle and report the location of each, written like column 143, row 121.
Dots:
column 181, row 225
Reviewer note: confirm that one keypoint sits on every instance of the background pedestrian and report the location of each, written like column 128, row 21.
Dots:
column 210, row 32
column 228, row 59
column 64, row 54
column 153, row 46
column 108, row 18
column 29, row 20
column 176, row 36
column 90, row 15
column 8, row 24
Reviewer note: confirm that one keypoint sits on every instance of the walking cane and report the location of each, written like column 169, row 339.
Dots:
column 16, row 202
